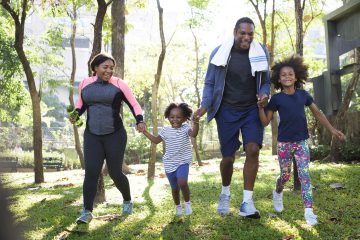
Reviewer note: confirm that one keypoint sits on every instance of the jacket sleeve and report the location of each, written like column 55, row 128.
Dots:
column 265, row 77
column 209, row 83
column 80, row 106
column 131, row 101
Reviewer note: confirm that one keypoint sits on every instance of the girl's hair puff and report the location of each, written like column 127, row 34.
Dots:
column 183, row 106
column 295, row 62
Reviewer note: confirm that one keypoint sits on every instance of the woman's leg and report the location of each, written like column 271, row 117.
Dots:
column 302, row 157
column 94, row 158
column 285, row 156
column 115, row 145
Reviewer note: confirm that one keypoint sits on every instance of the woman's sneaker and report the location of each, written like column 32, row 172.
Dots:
column 310, row 217
column 85, row 217
column 247, row 209
column 278, row 201
column 178, row 210
column 127, row 208
column 188, row 209
column 224, row 204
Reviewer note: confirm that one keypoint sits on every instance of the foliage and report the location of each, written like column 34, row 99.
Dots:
column 350, row 152
column 318, row 152
column 137, row 148
column 12, row 91
column 49, row 212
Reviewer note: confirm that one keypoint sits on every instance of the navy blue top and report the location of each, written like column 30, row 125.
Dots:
column 293, row 125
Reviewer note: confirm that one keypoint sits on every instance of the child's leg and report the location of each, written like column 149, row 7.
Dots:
column 302, row 157
column 285, row 156
column 182, row 174
column 174, row 187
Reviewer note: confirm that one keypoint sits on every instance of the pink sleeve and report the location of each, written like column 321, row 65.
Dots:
column 133, row 103
column 79, row 102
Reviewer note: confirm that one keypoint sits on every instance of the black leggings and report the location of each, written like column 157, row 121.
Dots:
column 97, row 148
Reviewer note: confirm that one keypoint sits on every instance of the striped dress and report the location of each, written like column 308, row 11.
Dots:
column 178, row 149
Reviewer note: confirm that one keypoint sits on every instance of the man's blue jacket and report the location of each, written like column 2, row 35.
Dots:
column 215, row 82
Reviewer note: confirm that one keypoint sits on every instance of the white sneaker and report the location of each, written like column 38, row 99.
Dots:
column 224, row 205
column 278, row 201
column 188, row 209
column 178, row 211
column 310, row 217
column 247, row 209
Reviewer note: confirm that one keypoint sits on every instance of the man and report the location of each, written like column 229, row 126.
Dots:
column 236, row 79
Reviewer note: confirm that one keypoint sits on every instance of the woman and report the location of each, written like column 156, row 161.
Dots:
column 105, row 136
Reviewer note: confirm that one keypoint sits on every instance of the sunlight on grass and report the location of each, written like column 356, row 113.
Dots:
column 154, row 213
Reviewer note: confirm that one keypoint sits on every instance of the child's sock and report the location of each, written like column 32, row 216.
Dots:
column 247, row 196
column 225, row 190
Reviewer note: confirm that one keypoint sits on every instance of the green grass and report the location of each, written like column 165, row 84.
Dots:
column 48, row 213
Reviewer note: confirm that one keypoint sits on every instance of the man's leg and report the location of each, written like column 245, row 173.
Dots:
column 226, row 169
column 251, row 165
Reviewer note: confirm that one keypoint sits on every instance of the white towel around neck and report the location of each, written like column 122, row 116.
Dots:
column 257, row 56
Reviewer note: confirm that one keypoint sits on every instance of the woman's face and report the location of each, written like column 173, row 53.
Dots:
column 105, row 70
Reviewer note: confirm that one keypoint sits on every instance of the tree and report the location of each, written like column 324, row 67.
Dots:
column 18, row 14
column 101, row 11
column 12, row 92
column 197, row 19
column 271, row 47
column 73, row 16
column 118, row 45
column 155, row 88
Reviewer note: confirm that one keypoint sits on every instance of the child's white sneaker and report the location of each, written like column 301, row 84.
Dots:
column 179, row 211
column 188, row 209
column 278, row 201
column 310, row 217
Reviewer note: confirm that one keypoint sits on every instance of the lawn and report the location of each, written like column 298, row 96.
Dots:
column 48, row 211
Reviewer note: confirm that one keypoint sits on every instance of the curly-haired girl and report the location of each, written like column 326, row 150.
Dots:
column 289, row 75
column 178, row 151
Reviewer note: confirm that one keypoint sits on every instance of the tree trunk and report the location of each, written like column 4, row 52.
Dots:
column 118, row 46
column 19, row 22
column 197, row 91
column 73, row 17
column 155, row 88
column 102, row 7
column 299, row 10
column 340, row 116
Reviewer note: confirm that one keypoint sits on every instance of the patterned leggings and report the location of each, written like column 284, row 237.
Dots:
column 300, row 151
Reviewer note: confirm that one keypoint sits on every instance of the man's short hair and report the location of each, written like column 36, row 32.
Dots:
column 243, row 20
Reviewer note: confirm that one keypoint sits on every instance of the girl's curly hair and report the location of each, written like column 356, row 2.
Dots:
column 183, row 106
column 296, row 63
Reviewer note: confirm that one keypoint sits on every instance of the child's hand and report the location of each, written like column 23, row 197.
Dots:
column 338, row 134
column 262, row 100
column 141, row 127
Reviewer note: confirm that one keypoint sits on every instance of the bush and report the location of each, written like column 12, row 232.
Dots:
column 138, row 149
column 318, row 152
column 350, row 152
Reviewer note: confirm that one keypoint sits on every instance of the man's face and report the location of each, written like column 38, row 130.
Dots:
column 244, row 36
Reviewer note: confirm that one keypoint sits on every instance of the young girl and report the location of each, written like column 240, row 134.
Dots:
column 288, row 75
column 178, row 151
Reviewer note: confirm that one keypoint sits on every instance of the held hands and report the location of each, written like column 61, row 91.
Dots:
column 198, row 114
column 262, row 100
column 141, row 127
column 338, row 134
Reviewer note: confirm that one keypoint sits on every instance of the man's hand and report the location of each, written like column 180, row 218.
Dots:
column 198, row 114
column 262, row 100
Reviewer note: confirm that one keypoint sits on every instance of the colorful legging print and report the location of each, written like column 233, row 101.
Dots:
column 300, row 151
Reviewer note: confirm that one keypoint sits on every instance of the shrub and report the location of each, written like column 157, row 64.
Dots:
column 318, row 152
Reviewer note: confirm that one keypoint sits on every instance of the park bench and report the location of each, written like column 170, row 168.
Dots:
column 53, row 163
column 8, row 164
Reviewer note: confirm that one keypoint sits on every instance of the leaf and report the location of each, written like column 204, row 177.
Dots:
column 289, row 237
